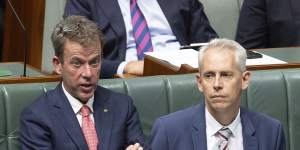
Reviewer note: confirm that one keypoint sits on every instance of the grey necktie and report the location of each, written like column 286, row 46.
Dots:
column 223, row 136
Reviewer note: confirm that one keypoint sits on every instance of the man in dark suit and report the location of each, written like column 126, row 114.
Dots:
column 269, row 23
column 79, row 114
column 219, row 123
column 171, row 23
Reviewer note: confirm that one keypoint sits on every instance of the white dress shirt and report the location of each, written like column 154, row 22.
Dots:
column 76, row 105
column 161, row 34
column 213, row 126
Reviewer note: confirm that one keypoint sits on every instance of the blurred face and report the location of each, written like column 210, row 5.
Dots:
column 221, row 81
column 80, row 69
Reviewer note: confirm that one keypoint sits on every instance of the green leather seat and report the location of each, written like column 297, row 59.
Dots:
column 223, row 16
column 273, row 92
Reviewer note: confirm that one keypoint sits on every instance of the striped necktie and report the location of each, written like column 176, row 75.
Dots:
column 223, row 135
column 141, row 31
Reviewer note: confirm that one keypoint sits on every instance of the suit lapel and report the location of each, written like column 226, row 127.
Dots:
column 103, row 117
column 112, row 11
column 249, row 138
column 199, row 130
column 65, row 114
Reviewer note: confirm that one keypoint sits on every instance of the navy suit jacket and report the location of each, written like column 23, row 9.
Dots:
column 269, row 23
column 50, row 122
column 186, row 130
column 186, row 18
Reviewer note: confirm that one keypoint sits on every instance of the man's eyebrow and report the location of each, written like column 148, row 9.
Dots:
column 226, row 71
column 208, row 72
column 76, row 58
column 95, row 57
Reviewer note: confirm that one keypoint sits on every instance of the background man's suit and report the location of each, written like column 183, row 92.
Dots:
column 52, row 117
column 186, row 129
column 186, row 18
column 269, row 23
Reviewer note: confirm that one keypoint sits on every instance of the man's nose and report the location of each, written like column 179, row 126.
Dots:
column 218, row 84
column 86, row 72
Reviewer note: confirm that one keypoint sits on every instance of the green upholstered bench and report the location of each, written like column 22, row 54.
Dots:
column 223, row 16
column 273, row 92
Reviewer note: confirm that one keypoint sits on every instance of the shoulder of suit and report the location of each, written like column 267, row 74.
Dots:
column 260, row 118
column 112, row 95
column 181, row 116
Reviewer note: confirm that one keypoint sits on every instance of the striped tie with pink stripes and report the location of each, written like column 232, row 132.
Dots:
column 141, row 31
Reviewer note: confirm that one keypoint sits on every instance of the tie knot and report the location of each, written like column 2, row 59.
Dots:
column 224, row 133
column 85, row 111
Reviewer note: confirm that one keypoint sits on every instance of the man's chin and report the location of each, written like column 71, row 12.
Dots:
column 84, row 97
column 220, row 106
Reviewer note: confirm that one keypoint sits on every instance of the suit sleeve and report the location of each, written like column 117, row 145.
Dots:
column 134, row 130
column 280, row 144
column 109, row 68
column 200, row 28
column 34, row 134
column 159, row 139
column 252, row 30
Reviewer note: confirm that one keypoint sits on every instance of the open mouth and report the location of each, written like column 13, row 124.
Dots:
column 86, row 88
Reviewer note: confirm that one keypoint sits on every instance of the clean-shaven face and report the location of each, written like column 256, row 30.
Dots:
column 221, row 81
column 80, row 69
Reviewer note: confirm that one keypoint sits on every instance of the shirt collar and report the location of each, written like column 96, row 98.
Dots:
column 213, row 126
column 75, row 103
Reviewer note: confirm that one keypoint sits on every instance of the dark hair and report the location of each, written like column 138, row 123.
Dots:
column 77, row 29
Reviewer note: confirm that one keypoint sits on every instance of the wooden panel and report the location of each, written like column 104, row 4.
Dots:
column 31, row 12
column 33, row 74
column 50, row 78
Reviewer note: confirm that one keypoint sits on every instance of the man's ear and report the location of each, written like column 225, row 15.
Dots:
column 199, row 83
column 246, row 79
column 57, row 65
